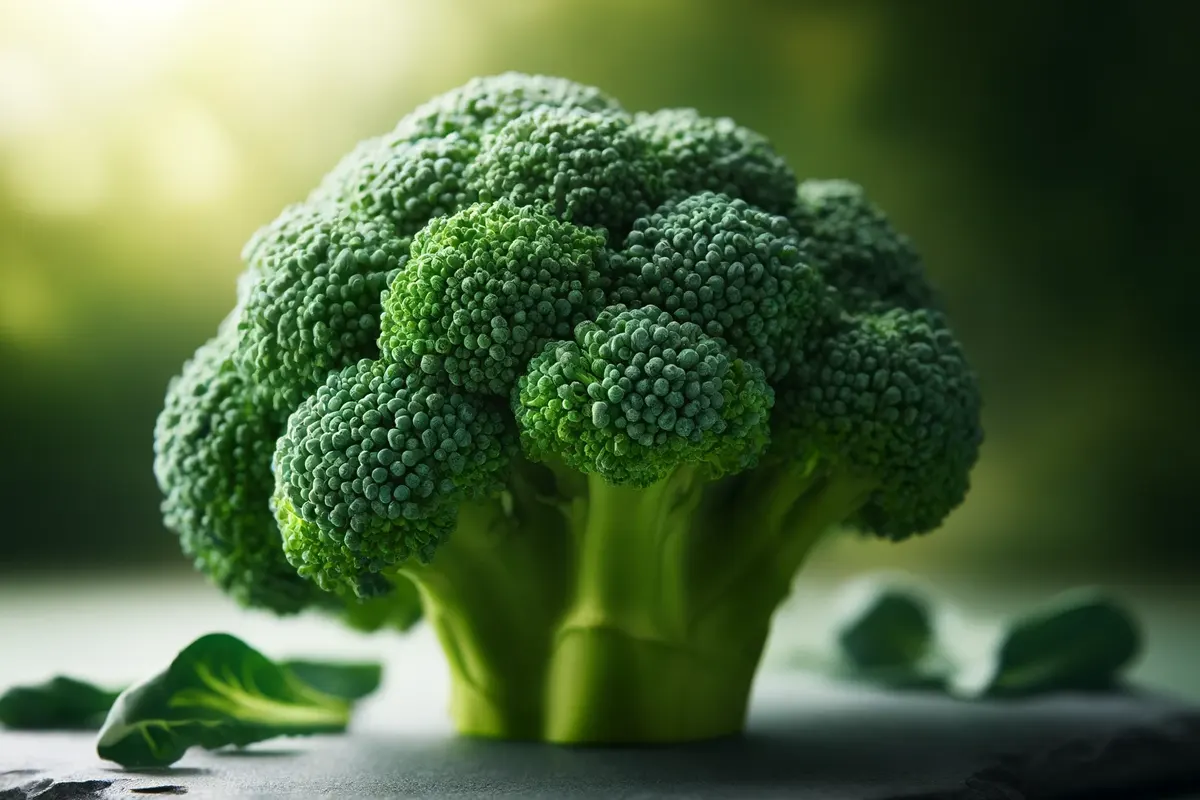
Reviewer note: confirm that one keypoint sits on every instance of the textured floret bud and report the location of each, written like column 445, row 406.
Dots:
column 892, row 397
column 583, row 167
column 636, row 394
column 212, row 459
column 733, row 269
column 857, row 250
column 486, row 289
column 716, row 154
column 409, row 183
column 371, row 470
column 485, row 104
column 312, row 305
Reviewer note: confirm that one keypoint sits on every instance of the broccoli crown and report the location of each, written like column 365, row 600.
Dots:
column 371, row 469
column 486, row 288
column 636, row 394
column 522, row 271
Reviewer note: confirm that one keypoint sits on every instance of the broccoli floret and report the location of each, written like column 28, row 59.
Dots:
column 486, row 289
column 591, row 385
column 314, row 304
column 407, row 182
column 213, row 463
column 372, row 468
column 706, row 154
column 213, row 443
column 638, row 395
column 484, row 104
column 557, row 159
column 730, row 268
column 891, row 397
column 856, row 249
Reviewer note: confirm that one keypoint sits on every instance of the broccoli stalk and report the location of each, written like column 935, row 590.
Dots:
column 582, row 611
column 493, row 602
column 582, row 387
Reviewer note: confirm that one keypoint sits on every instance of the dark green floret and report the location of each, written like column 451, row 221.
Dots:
column 718, row 155
column 892, row 398
column 586, row 388
column 732, row 269
column 582, row 167
column 857, row 250
column 372, row 468
column 637, row 394
column 486, row 289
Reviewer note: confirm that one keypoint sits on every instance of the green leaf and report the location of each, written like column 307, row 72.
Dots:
column 218, row 691
column 352, row 681
column 1081, row 640
column 60, row 703
column 884, row 627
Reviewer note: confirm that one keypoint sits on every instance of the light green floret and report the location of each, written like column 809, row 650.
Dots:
column 213, row 445
column 484, row 104
column 637, row 394
column 734, row 270
column 372, row 468
column 857, row 250
column 716, row 154
column 486, row 289
column 312, row 305
column 583, row 167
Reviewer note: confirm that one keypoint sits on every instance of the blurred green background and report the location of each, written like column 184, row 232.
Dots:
column 1043, row 155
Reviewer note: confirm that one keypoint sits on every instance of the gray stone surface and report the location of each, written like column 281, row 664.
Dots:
column 808, row 739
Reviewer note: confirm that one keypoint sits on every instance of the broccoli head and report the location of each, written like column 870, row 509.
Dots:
column 582, row 387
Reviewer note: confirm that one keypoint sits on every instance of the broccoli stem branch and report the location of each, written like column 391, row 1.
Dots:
column 493, row 598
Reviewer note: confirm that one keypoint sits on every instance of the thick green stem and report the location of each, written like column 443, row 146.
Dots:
column 608, row 687
column 624, row 667
column 575, row 611
column 782, row 536
column 627, row 575
column 493, row 597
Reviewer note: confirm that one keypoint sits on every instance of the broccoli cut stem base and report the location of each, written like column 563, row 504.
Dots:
column 579, row 612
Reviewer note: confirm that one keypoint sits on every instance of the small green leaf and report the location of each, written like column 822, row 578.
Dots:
column 347, row 680
column 60, row 703
column 1080, row 640
column 218, row 691
column 882, row 627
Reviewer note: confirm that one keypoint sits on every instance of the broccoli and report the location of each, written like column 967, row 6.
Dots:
column 583, row 388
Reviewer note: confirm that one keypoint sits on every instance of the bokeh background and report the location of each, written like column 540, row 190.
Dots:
column 1043, row 155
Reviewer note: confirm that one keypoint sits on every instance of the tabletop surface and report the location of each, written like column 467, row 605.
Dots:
column 808, row 737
